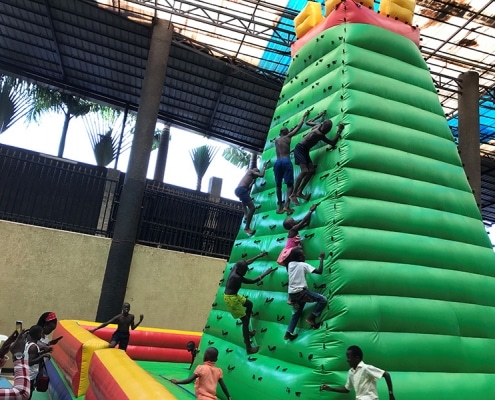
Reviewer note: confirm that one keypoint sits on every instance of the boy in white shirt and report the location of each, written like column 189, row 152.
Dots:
column 362, row 377
column 299, row 294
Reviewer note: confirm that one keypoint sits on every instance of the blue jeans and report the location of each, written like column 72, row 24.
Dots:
column 299, row 300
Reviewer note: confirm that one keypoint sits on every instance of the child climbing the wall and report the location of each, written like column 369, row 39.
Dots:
column 299, row 294
column 302, row 157
column 283, row 169
column 238, row 305
column 206, row 376
column 293, row 238
column 243, row 191
column 362, row 377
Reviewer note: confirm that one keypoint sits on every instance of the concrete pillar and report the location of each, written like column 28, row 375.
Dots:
column 127, row 224
column 469, row 130
column 161, row 158
column 215, row 187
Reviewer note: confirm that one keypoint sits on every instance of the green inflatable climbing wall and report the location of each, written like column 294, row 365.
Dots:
column 409, row 269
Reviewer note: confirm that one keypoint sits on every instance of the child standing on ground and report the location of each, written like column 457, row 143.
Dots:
column 206, row 376
column 238, row 305
column 293, row 238
column 124, row 321
column 299, row 294
column 362, row 377
column 35, row 355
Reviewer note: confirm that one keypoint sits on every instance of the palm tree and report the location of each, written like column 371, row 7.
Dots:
column 160, row 142
column 104, row 129
column 202, row 157
column 240, row 158
column 15, row 101
column 46, row 100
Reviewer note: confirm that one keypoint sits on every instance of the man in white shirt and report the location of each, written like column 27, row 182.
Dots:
column 362, row 377
column 299, row 294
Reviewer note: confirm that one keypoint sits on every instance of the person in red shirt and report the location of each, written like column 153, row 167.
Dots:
column 21, row 389
column 206, row 376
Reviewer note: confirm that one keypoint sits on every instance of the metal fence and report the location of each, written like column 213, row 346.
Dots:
column 47, row 191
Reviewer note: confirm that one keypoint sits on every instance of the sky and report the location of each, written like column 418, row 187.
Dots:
column 179, row 171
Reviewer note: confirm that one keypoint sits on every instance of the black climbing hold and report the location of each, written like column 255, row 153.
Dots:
column 258, row 207
column 300, row 354
column 310, row 357
column 334, row 62
column 263, row 330
column 322, row 286
column 214, row 304
column 309, row 235
column 260, row 378
column 263, row 183
column 224, row 333
column 280, row 318
column 280, row 239
column 238, row 244
column 269, row 299
column 271, row 194
column 254, row 376
column 278, row 366
column 287, row 390
column 284, row 284
column 256, row 313
column 230, row 368
column 243, row 255
column 228, row 350
column 207, row 327
column 219, row 317
column 259, row 283
column 252, row 358
column 272, row 348
column 284, row 370
column 210, row 342
column 324, row 345
column 238, row 323
column 250, row 269
column 298, row 394
column 272, row 227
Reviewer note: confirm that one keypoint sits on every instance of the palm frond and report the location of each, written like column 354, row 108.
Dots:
column 15, row 101
column 202, row 157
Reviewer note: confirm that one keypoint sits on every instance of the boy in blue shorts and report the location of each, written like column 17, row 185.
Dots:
column 243, row 191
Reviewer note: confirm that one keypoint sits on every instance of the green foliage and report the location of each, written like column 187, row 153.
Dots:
column 202, row 157
column 104, row 129
column 237, row 157
column 15, row 101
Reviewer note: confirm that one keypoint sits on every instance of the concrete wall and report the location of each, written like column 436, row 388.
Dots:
column 49, row 270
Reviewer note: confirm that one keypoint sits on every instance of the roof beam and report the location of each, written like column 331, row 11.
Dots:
column 55, row 42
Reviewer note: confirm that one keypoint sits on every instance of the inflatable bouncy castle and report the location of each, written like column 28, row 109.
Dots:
column 409, row 271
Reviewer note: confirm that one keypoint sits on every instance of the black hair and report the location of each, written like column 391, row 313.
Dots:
column 241, row 264
column 35, row 331
column 211, row 354
column 286, row 223
column 42, row 319
column 356, row 351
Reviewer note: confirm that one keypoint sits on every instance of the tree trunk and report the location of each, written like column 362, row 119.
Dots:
column 198, row 184
column 65, row 129
column 161, row 158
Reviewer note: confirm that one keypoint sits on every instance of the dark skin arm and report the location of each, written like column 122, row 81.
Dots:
column 36, row 357
column 312, row 121
column 251, row 260
column 192, row 378
column 304, row 222
column 333, row 142
column 134, row 326
column 224, row 388
column 6, row 345
column 319, row 270
column 294, row 130
column 327, row 388
column 114, row 320
column 388, row 380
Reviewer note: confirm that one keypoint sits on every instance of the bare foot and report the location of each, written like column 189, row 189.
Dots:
column 290, row 336
column 289, row 210
column 249, row 231
column 280, row 210
column 294, row 200
column 252, row 350
column 304, row 196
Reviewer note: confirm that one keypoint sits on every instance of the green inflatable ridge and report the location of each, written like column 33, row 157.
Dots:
column 409, row 269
